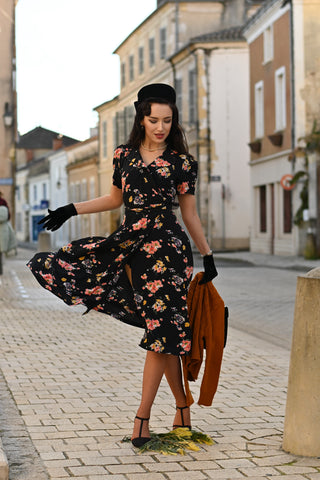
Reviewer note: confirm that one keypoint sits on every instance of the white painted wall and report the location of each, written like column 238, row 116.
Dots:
column 229, row 117
column 59, row 194
column 270, row 172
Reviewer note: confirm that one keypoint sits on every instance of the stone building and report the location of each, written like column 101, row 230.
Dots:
column 8, row 102
column 197, row 47
column 82, row 172
column 284, row 42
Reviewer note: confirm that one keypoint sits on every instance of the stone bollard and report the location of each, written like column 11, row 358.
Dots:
column 302, row 419
column 4, row 466
column 44, row 242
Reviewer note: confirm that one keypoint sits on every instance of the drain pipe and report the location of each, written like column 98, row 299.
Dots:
column 197, row 125
column 293, row 109
column 207, row 57
column 177, row 24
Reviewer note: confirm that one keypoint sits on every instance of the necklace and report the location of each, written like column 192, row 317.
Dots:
column 153, row 149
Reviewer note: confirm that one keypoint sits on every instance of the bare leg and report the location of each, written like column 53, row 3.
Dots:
column 154, row 369
column 173, row 375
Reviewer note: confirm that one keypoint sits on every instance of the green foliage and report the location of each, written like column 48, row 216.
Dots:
column 175, row 442
column 298, row 217
column 312, row 142
column 313, row 139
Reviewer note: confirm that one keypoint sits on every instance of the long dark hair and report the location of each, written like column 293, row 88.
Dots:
column 176, row 138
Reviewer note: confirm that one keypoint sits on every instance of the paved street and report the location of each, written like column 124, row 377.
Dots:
column 70, row 387
column 261, row 300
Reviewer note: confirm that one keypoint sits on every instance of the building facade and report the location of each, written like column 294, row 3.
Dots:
column 212, row 73
column 82, row 173
column 8, row 102
column 283, row 60
column 32, row 182
column 169, row 47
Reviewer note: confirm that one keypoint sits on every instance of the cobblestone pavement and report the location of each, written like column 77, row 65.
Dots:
column 70, row 388
column 261, row 301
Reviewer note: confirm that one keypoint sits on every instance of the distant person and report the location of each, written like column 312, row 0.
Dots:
column 4, row 204
column 140, row 274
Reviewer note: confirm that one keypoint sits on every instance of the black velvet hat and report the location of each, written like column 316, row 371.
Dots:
column 156, row 90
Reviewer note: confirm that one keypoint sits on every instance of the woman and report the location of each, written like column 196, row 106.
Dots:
column 140, row 274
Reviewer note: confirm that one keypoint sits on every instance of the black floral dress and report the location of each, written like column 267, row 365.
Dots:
column 91, row 271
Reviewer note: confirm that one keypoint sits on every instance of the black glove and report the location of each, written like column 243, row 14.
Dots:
column 56, row 218
column 210, row 271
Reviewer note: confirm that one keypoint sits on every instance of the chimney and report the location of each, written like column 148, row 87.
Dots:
column 57, row 142
column 29, row 155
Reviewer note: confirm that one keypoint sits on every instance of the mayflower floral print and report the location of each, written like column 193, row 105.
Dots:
column 91, row 271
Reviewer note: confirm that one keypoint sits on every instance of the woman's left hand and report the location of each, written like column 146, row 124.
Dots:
column 210, row 271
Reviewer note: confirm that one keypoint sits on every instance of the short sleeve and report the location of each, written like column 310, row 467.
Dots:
column 116, row 179
column 186, row 175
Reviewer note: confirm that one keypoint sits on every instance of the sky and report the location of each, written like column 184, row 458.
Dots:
column 65, row 64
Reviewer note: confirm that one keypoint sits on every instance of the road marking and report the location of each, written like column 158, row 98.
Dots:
column 21, row 288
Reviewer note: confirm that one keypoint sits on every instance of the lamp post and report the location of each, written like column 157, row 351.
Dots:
column 7, row 116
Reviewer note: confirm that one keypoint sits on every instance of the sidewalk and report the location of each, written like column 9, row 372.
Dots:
column 271, row 261
column 75, row 383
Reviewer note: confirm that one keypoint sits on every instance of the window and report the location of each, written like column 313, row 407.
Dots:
column 141, row 60
column 123, row 74
column 268, row 44
column 163, row 42
column 44, row 191
column 92, row 188
column 263, row 208
column 287, row 211
column 18, row 193
column 129, row 114
column 259, row 109
column 192, row 97
column 179, row 97
column 131, row 68
column 115, row 132
column 84, row 193
column 280, row 99
column 120, row 127
column 35, row 193
column 104, row 139
column 77, row 192
column 72, row 193
column 151, row 52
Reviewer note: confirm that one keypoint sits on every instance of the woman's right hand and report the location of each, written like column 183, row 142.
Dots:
column 57, row 217
column 210, row 271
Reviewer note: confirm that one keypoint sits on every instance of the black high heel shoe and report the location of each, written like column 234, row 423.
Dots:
column 139, row 441
column 182, row 419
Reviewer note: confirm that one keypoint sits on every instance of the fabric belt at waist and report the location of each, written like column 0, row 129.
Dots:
column 153, row 209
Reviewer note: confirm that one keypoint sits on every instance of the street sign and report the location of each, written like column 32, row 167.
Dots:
column 285, row 182
column 6, row 181
column 215, row 178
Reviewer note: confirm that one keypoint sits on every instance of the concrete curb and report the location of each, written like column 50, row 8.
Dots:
column 4, row 466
